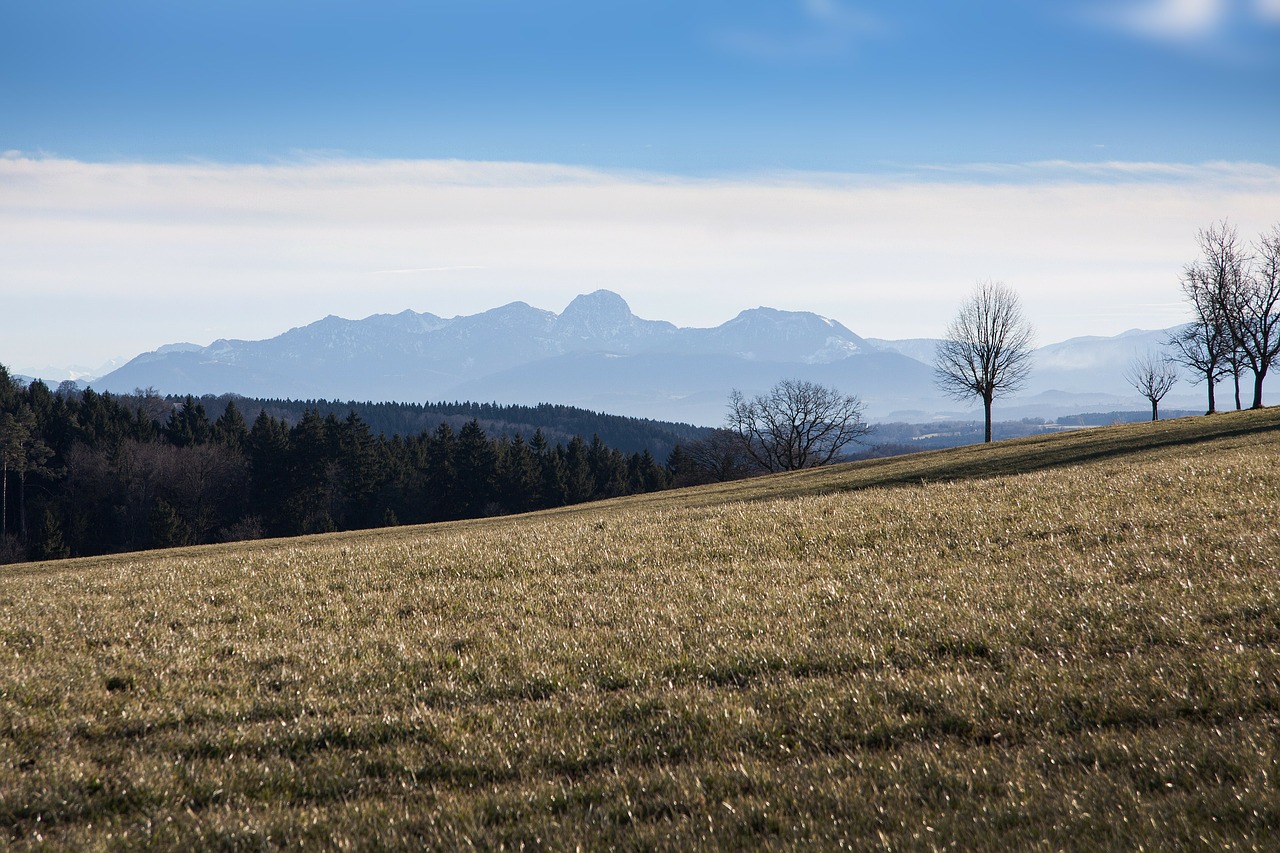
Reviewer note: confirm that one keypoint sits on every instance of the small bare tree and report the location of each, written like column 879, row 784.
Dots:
column 1153, row 375
column 1257, row 310
column 1223, row 271
column 987, row 349
column 1204, row 346
column 797, row 424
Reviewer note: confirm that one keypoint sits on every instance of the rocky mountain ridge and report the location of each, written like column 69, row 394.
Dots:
column 597, row 354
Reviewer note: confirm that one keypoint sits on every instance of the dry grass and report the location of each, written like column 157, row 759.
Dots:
column 1078, row 657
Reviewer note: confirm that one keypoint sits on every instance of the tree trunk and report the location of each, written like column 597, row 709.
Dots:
column 986, row 405
column 4, row 501
column 22, row 504
column 1155, row 410
column 1257, row 388
column 1236, row 374
column 1213, row 408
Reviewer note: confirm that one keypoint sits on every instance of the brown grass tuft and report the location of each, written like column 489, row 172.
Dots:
column 1083, row 655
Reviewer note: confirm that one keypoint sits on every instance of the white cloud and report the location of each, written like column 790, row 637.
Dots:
column 827, row 28
column 101, row 260
column 414, row 270
column 1117, row 170
column 836, row 15
column 1224, row 29
column 1175, row 19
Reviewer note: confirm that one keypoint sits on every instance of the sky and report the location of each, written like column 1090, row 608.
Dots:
column 224, row 169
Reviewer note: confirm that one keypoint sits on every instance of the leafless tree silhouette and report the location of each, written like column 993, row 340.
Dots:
column 1236, row 293
column 797, row 424
column 987, row 349
column 1153, row 375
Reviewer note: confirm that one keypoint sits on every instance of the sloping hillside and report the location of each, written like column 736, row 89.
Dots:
column 1070, row 642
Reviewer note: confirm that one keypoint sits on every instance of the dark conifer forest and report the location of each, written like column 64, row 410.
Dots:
column 87, row 473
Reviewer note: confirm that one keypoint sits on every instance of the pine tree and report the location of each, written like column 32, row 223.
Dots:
column 602, row 473
column 14, row 435
column 9, row 390
column 49, row 544
column 311, row 490
column 554, row 488
column 230, row 429
column 22, row 452
column 678, row 467
column 578, row 479
column 188, row 424
column 652, row 477
column 268, row 461
column 168, row 530
column 521, row 484
column 359, row 470
column 405, row 480
column 477, row 467
column 441, row 475
column 618, row 482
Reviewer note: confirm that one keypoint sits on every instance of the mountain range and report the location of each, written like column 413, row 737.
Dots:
column 598, row 355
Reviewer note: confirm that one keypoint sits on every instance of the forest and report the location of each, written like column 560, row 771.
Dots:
column 85, row 473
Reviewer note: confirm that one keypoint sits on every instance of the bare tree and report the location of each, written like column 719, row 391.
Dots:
column 987, row 348
column 1239, row 293
column 718, row 458
column 797, row 424
column 1235, row 364
column 1218, row 277
column 1153, row 375
column 1257, row 310
column 1204, row 346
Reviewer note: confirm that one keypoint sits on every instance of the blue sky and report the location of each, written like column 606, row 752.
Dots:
column 670, row 86
column 139, row 137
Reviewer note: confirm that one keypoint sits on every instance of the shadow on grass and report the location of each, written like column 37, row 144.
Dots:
column 1001, row 458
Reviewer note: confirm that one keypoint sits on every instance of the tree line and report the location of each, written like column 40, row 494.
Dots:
column 83, row 473
column 559, row 423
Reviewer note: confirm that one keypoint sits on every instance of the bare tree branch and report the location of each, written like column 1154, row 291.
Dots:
column 1237, row 293
column 719, row 458
column 796, row 424
column 1205, row 345
column 1258, row 336
column 987, row 348
column 1153, row 375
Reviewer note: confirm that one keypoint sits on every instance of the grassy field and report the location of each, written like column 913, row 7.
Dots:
column 1069, row 642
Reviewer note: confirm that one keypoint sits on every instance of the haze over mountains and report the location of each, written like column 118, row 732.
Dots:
column 598, row 355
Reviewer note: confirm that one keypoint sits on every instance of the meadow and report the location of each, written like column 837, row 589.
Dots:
column 1068, row 642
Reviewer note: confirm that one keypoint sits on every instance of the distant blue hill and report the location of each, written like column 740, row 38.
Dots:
column 598, row 355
